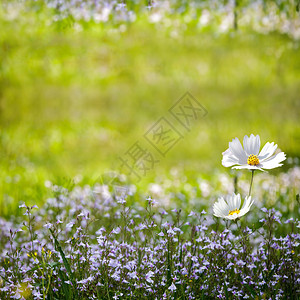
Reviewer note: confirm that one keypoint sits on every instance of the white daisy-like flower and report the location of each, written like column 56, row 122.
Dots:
column 249, row 157
column 231, row 207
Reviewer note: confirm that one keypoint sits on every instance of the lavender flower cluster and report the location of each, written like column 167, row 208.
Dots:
column 259, row 15
column 89, row 243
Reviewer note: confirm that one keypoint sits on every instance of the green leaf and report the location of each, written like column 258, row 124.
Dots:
column 66, row 287
column 65, row 261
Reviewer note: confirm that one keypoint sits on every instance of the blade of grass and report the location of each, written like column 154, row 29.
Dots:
column 65, row 261
column 66, row 287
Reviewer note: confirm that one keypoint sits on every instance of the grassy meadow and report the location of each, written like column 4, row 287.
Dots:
column 75, row 96
column 80, row 83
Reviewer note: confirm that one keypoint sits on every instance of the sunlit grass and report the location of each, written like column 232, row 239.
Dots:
column 74, row 97
column 77, row 92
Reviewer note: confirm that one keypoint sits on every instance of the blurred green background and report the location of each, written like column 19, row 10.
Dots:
column 74, row 97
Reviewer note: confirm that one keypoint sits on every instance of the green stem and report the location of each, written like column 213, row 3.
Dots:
column 251, row 183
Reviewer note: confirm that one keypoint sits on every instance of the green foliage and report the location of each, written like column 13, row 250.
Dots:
column 75, row 95
column 67, row 266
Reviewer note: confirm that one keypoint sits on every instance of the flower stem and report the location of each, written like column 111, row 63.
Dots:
column 251, row 183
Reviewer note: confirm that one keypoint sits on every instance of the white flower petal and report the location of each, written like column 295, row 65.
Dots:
column 247, row 205
column 237, row 150
column 237, row 201
column 267, row 151
column 216, row 208
column 243, row 211
column 273, row 161
column 227, row 152
column 232, row 203
column 223, row 205
column 220, row 208
column 229, row 205
column 249, row 167
column 246, row 202
column 229, row 160
column 219, row 215
column 251, row 144
column 218, row 212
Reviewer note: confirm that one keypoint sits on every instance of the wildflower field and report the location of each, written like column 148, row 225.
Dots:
column 149, row 149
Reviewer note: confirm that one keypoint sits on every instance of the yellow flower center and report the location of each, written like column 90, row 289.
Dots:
column 253, row 160
column 235, row 211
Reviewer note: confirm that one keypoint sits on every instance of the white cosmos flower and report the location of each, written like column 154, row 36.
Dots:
column 249, row 157
column 231, row 207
